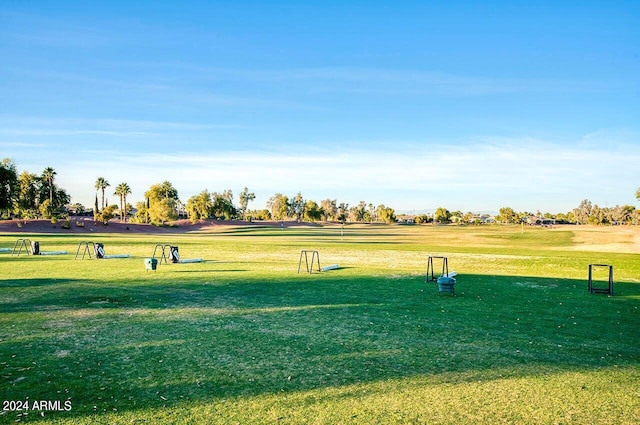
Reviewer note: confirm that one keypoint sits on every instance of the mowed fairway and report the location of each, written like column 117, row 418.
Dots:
column 242, row 338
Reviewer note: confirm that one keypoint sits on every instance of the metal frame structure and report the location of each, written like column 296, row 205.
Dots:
column 163, row 248
column 23, row 243
column 314, row 256
column 86, row 249
column 430, row 268
column 609, row 289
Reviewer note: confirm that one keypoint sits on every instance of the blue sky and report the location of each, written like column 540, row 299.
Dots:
column 471, row 106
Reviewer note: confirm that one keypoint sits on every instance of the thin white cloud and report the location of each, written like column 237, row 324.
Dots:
column 611, row 138
column 519, row 169
column 382, row 81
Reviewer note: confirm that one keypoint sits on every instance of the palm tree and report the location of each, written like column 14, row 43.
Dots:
column 48, row 175
column 102, row 184
column 122, row 190
column 168, row 190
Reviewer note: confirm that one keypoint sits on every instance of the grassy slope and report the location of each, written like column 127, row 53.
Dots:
column 242, row 338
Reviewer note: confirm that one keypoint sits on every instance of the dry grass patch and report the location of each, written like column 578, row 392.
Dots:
column 622, row 239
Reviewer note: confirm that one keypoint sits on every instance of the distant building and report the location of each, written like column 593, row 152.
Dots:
column 540, row 221
column 482, row 218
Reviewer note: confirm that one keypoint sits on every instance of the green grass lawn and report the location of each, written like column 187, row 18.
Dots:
column 242, row 338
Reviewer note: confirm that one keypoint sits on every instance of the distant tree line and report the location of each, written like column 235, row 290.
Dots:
column 27, row 195
column 280, row 207
column 585, row 213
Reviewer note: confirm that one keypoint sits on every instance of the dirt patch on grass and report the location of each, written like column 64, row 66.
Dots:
column 622, row 239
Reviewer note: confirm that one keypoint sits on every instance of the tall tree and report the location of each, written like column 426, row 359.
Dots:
column 329, row 209
column 278, row 204
column 102, row 184
column 342, row 212
column 168, row 190
column 28, row 194
column 48, row 175
column 357, row 213
column 372, row 213
column 45, row 209
column 598, row 215
column 95, row 208
column 622, row 214
column 245, row 196
column 297, row 206
column 223, row 205
column 199, row 206
column 583, row 212
column 8, row 184
column 122, row 190
column 60, row 199
column 312, row 211
column 442, row 215
column 386, row 214
column 162, row 200
column 507, row 215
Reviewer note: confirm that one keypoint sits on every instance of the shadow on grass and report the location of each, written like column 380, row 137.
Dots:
column 26, row 283
column 156, row 344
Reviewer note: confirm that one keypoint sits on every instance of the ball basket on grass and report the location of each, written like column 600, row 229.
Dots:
column 446, row 284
